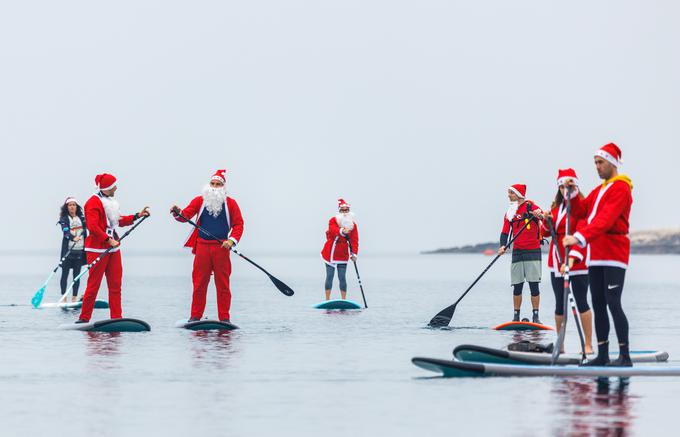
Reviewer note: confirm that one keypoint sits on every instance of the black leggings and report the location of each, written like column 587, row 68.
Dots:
column 606, row 288
column 579, row 287
column 533, row 287
column 73, row 262
column 342, row 275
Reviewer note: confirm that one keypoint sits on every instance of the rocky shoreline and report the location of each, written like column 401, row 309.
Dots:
column 655, row 242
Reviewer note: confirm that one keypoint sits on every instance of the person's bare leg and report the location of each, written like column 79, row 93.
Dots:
column 535, row 301
column 328, row 295
column 343, row 295
column 587, row 324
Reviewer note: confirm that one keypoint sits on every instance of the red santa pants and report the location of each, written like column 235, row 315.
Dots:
column 111, row 265
column 211, row 257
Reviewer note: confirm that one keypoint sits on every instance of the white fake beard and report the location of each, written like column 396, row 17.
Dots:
column 112, row 210
column 512, row 210
column 213, row 199
column 345, row 220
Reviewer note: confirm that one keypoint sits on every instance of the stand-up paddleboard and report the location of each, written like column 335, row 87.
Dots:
column 523, row 326
column 206, row 325
column 338, row 304
column 454, row 368
column 101, row 304
column 109, row 325
column 481, row 354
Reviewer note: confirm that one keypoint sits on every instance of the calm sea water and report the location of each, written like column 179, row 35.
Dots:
column 294, row 370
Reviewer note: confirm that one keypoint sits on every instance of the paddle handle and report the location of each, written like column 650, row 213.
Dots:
column 96, row 260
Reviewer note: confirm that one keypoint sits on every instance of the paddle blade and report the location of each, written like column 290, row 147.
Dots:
column 283, row 288
column 38, row 297
column 443, row 318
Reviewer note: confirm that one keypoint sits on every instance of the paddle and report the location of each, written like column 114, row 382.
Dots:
column 567, row 291
column 283, row 288
column 443, row 318
column 38, row 296
column 574, row 311
column 89, row 266
column 361, row 287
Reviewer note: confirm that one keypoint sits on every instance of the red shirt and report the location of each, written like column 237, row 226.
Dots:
column 336, row 249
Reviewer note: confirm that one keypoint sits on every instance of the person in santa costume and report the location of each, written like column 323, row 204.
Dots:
column 526, row 250
column 605, row 213
column 220, row 216
column 342, row 232
column 102, row 214
column 578, row 271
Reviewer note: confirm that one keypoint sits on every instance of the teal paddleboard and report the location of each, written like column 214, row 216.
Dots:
column 207, row 325
column 338, row 304
column 109, row 325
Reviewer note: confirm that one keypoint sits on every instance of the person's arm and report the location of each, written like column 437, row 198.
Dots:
column 66, row 228
column 93, row 215
column 333, row 228
column 619, row 199
column 126, row 220
column 191, row 210
column 505, row 232
column 236, row 221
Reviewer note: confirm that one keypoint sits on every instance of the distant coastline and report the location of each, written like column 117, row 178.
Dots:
column 658, row 242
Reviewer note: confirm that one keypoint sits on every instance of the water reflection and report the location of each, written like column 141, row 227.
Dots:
column 102, row 346
column 601, row 407
column 213, row 348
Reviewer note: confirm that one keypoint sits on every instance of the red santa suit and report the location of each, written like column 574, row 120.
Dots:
column 210, row 257
column 605, row 213
column 100, row 228
column 336, row 250
column 559, row 214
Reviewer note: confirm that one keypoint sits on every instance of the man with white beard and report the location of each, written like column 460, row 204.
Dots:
column 220, row 216
column 342, row 231
column 102, row 215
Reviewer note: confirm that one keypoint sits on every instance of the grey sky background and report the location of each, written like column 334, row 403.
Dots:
column 419, row 113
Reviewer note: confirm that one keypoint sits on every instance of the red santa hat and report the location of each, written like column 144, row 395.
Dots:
column 105, row 181
column 219, row 176
column 519, row 189
column 342, row 203
column 611, row 153
column 565, row 174
column 70, row 199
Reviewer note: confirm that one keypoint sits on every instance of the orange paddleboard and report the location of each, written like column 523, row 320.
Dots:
column 523, row 326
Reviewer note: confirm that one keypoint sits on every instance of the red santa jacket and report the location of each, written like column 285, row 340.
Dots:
column 336, row 249
column 234, row 218
column 530, row 238
column 606, row 211
column 559, row 214
column 98, row 226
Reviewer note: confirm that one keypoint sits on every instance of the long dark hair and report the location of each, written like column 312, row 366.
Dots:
column 63, row 212
column 559, row 198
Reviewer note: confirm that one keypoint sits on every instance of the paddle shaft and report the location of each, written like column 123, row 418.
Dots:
column 356, row 269
column 568, row 297
column 96, row 260
column 280, row 285
column 447, row 313
column 37, row 297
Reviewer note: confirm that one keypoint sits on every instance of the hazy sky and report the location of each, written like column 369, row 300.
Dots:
column 420, row 113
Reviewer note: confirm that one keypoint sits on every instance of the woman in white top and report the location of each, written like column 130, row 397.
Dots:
column 72, row 223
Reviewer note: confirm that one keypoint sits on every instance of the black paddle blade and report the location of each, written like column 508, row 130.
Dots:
column 443, row 318
column 283, row 288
